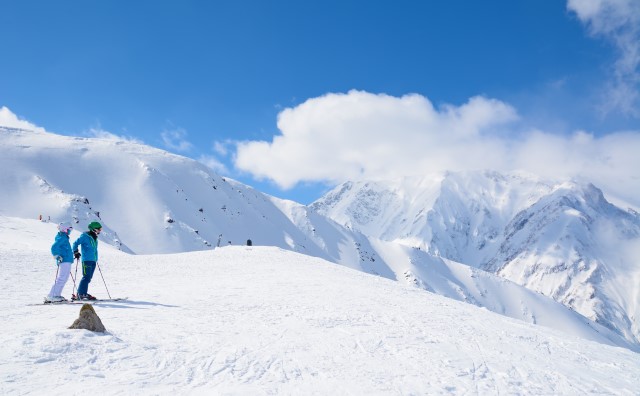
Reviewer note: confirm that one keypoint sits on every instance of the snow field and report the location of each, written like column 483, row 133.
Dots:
column 262, row 320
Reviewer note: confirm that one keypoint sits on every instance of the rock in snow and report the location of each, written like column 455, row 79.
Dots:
column 88, row 320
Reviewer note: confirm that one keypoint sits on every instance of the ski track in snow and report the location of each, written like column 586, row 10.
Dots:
column 262, row 320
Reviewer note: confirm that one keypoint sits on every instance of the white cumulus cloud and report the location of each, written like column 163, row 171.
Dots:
column 359, row 135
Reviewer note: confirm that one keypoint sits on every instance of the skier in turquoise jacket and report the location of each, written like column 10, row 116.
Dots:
column 61, row 251
column 88, row 243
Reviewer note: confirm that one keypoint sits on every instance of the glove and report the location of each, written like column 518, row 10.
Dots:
column 59, row 259
column 76, row 255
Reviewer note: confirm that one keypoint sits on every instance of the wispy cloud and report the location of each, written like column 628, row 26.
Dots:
column 338, row 137
column 223, row 148
column 618, row 21
column 9, row 119
column 176, row 139
column 213, row 163
column 100, row 133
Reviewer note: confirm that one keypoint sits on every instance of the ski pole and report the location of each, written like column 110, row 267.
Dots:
column 57, row 270
column 74, row 279
column 105, row 283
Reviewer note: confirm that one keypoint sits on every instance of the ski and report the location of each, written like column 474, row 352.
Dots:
column 99, row 300
column 76, row 302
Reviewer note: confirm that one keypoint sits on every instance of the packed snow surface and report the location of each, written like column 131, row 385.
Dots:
column 262, row 320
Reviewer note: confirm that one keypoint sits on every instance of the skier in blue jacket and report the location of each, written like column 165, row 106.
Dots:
column 61, row 251
column 88, row 241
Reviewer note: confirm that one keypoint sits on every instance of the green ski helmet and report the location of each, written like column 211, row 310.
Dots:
column 94, row 225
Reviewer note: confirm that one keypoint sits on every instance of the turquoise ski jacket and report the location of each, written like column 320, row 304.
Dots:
column 89, row 247
column 61, row 247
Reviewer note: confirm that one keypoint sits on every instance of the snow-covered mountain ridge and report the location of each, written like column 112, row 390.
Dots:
column 151, row 201
column 562, row 239
column 158, row 202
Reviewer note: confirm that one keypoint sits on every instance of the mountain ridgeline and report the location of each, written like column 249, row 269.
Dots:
column 555, row 254
column 561, row 239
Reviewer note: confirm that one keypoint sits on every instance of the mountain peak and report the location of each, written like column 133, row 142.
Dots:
column 558, row 238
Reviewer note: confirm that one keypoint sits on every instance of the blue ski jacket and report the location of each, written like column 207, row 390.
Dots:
column 89, row 247
column 61, row 247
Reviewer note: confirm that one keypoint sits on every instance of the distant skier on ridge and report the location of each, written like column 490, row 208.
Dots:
column 89, row 243
column 61, row 251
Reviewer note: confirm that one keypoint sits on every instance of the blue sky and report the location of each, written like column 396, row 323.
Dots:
column 219, row 81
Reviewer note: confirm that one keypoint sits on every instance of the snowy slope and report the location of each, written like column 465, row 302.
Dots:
column 570, row 245
column 483, row 289
column 262, row 320
column 158, row 202
column 445, row 277
column 562, row 239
